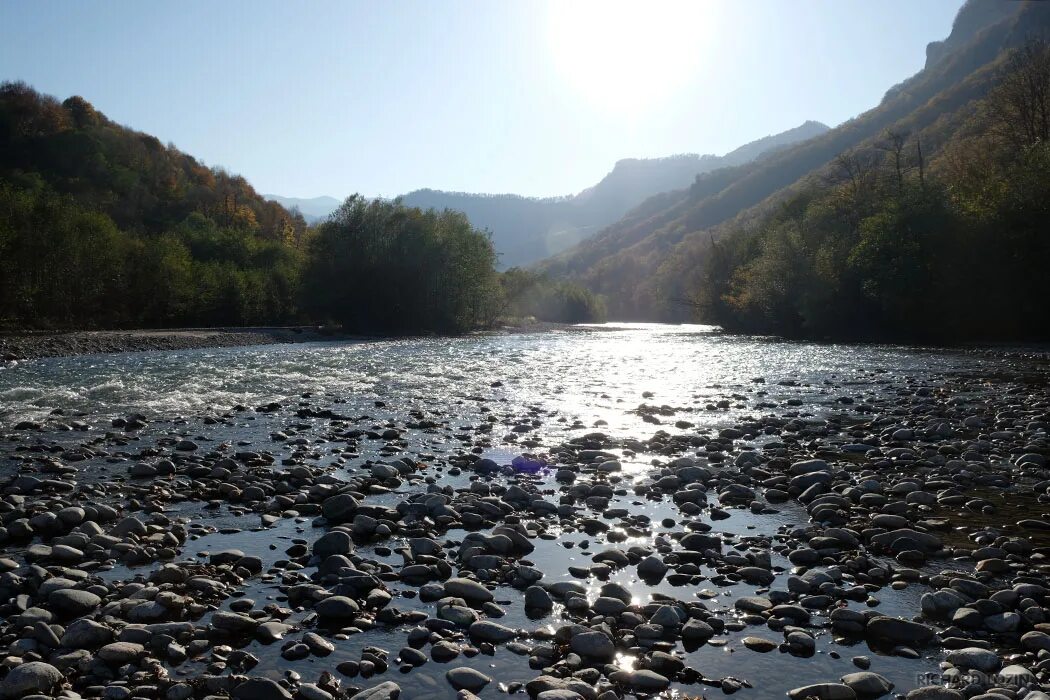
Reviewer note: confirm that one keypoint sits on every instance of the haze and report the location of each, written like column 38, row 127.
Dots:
column 531, row 98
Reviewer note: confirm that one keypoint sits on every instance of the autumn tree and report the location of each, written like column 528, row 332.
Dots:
column 1020, row 105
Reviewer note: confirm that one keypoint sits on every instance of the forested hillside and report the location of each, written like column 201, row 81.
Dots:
column 102, row 226
column 897, row 244
column 527, row 229
column 651, row 264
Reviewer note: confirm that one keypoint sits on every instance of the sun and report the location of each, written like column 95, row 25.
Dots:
column 629, row 55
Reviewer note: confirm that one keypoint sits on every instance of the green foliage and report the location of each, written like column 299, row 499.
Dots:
column 62, row 265
column 74, row 270
column 139, row 183
column 379, row 266
column 101, row 226
column 532, row 294
column 889, row 246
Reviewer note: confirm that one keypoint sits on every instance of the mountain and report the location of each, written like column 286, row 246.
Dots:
column 527, row 229
column 313, row 209
column 130, row 176
column 105, row 226
column 649, row 262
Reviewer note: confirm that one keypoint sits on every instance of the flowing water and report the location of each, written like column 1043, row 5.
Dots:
column 592, row 374
column 571, row 382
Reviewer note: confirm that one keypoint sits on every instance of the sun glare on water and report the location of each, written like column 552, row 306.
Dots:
column 629, row 56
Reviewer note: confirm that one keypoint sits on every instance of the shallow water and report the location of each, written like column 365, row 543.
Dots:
column 592, row 375
column 571, row 382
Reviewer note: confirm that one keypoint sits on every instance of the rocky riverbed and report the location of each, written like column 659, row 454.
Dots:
column 30, row 345
column 853, row 533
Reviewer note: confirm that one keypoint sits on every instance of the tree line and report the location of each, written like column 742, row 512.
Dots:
column 104, row 227
column 890, row 243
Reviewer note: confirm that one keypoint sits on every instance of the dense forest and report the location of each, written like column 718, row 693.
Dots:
column 893, row 244
column 651, row 264
column 384, row 267
column 105, row 227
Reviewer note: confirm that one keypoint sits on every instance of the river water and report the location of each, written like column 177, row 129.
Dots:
column 570, row 382
column 593, row 374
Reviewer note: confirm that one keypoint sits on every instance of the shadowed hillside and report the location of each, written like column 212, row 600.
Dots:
column 647, row 265
column 102, row 226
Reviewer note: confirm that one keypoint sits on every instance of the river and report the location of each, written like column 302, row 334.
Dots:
column 536, row 390
column 593, row 374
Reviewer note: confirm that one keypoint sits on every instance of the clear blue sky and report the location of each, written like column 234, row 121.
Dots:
column 537, row 98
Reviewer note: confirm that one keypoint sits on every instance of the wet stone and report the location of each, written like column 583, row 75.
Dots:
column 32, row 678
column 467, row 679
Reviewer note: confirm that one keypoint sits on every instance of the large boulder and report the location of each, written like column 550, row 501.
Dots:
column 468, row 590
column 899, row 631
column 337, row 607
column 698, row 542
column 33, row 678
column 486, row 631
column 975, row 658
column 906, row 538
column 339, row 508
column 86, row 634
column 72, row 602
column 466, row 678
column 260, row 689
column 593, row 645
column 867, row 683
column 823, row 691
column 334, row 542
column 384, row 691
column 120, row 653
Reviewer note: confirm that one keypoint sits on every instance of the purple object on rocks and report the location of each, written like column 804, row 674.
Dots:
column 527, row 463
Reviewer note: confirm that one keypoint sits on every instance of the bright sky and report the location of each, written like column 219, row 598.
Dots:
column 524, row 96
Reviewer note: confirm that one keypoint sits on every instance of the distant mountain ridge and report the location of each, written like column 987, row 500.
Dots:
column 313, row 209
column 528, row 229
column 631, row 176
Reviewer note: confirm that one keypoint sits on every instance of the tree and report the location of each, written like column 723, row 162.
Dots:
column 381, row 267
column 1020, row 104
column 893, row 144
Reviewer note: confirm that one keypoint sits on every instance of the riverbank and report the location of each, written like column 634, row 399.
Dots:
column 37, row 344
column 569, row 516
column 29, row 345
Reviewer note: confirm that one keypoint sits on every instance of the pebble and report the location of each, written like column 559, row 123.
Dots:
column 372, row 537
column 466, row 678
column 387, row 690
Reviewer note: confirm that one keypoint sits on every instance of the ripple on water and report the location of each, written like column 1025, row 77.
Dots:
column 591, row 375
